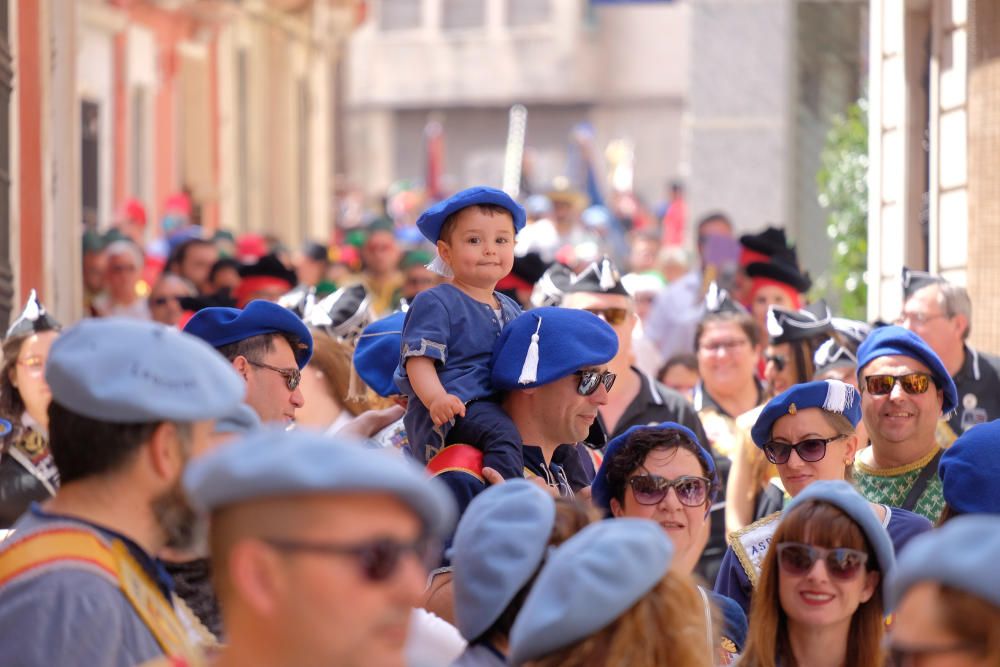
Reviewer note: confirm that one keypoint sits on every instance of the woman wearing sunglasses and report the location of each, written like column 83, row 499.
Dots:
column 662, row 473
column 808, row 434
column 820, row 597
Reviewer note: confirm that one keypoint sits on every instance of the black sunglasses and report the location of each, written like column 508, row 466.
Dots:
column 651, row 489
column 379, row 559
column 779, row 360
column 292, row 375
column 798, row 560
column 591, row 380
column 164, row 300
column 811, row 450
column 912, row 383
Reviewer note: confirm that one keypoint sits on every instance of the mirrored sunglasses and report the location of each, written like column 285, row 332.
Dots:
column 652, row 489
column 912, row 383
column 292, row 375
column 591, row 380
column 613, row 316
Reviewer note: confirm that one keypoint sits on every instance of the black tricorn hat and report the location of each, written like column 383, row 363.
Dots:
column 343, row 315
column 601, row 276
column 789, row 326
column 769, row 242
column 552, row 286
column 781, row 271
column 913, row 281
column 33, row 319
column 717, row 300
column 269, row 266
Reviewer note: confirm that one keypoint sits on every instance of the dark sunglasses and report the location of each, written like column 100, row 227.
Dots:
column 912, row 656
column 811, row 450
column 779, row 360
column 652, row 489
column 379, row 559
column 591, row 380
column 798, row 560
column 164, row 300
column 292, row 375
column 613, row 316
column 912, row 383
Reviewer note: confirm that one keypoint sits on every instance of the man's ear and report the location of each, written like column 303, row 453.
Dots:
column 254, row 572
column 165, row 453
column 242, row 366
column 961, row 324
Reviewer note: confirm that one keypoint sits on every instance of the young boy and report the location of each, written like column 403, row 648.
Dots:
column 449, row 331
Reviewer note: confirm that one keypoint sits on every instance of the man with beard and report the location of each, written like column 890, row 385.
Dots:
column 80, row 582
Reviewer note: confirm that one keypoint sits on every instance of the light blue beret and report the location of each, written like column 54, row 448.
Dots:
column 499, row 544
column 131, row 372
column 242, row 419
column 432, row 220
column 599, row 491
column 588, row 582
column 831, row 395
column 559, row 340
column 271, row 462
column 897, row 341
column 970, row 468
column 220, row 326
column 844, row 497
column 376, row 354
column 962, row 554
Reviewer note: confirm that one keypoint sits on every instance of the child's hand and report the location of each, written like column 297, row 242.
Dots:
column 444, row 408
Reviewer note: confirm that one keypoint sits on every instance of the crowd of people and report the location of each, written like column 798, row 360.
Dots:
column 498, row 434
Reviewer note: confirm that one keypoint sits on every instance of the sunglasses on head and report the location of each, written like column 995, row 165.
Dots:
column 798, row 560
column 379, row 559
column 912, row 383
column 591, row 380
column 613, row 316
column 292, row 375
column 652, row 489
column 811, row 450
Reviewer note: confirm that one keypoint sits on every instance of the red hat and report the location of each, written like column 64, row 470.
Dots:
column 133, row 211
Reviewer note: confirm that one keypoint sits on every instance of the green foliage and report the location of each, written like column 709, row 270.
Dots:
column 843, row 192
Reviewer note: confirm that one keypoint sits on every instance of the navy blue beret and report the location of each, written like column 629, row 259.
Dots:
column 897, row 341
column 222, row 326
column 376, row 354
column 970, row 468
column 600, row 493
column 831, row 395
column 431, row 220
column 546, row 344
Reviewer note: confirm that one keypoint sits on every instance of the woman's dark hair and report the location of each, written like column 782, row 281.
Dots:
column 685, row 359
column 744, row 320
column 11, row 405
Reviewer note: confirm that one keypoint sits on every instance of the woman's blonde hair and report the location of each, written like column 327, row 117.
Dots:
column 333, row 359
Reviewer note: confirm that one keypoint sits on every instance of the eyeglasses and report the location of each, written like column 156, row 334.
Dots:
column 591, row 380
column 919, row 318
column 292, row 375
column 122, row 268
column 379, row 559
column 164, row 300
column 798, row 560
column 779, row 360
column 613, row 316
column 912, row 383
column 811, row 450
column 651, row 489
column 723, row 345
column 911, row 656
column 34, row 364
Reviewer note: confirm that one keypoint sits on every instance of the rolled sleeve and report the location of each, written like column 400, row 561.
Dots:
column 426, row 330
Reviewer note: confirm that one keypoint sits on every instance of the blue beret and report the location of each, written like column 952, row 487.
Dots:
column 844, row 497
column 962, row 554
column 831, row 395
column 242, row 419
column 431, row 220
column 131, row 372
column 600, row 493
column 734, row 619
column 376, row 354
column 499, row 545
column 587, row 583
column 275, row 463
column 222, row 326
column 894, row 340
column 567, row 340
column 970, row 468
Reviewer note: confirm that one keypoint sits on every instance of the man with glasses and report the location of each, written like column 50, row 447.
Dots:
column 905, row 389
column 268, row 346
column 165, row 298
column 941, row 314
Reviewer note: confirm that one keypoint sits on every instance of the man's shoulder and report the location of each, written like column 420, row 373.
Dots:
column 988, row 363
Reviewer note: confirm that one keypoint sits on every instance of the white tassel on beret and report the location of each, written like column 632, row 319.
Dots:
column 529, row 371
column 607, row 275
column 839, row 397
column 439, row 267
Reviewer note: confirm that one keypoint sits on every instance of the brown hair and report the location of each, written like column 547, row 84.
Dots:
column 332, row 358
column 971, row 619
column 744, row 320
column 11, row 404
column 667, row 626
column 486, row 209
column 820, row 523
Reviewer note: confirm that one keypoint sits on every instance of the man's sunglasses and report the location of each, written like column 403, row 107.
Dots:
column 164, row 300
column 811, row 450
column 798, row 560
column 912, row 383
column 652, row 489
column 591, row 380
column 292, row 375
column 613, row 316
column 379, row 559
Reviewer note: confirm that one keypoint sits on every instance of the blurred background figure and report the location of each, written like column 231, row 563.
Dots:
column 311, row 264
column 165, row 299
column 680, row 373
column 193, row 260
column 380, row 257
column 416, row 276
column 121, row 296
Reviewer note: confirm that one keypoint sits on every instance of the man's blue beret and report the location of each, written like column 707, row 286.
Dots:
column 431, row 220
column 131, row 372
column 546, row 344
column 588, row 582
column 600, row 493
column 831, row 395
column 961, row 554
column 500, row 543
column 970, row 469
column 376, row 354
column 270, row 463
column 223, row 326
column 897, row 341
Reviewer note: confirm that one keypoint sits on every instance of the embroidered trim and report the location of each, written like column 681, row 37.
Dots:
column 422, row 350
column 863, row 467
column 735, row 540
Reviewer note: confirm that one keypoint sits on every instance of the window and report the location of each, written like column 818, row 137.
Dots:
column 462, row 14
column 528, row 12
column 400, row 14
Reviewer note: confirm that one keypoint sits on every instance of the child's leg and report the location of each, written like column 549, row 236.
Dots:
column 488, row 428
